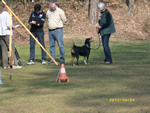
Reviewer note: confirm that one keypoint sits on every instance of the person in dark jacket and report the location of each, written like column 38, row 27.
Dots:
column 106, row 28
column 37, row 20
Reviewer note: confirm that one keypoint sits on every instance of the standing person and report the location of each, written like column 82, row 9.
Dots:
column 56, row 18
column 4, row 37
column 106, row 28
column 37, row 19
column 16, row 54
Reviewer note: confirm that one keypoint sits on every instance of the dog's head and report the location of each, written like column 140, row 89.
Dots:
column 72, row 48
column 73, row 45
column 88, row 40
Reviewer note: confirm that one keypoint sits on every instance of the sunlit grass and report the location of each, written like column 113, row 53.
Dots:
column 34, row 88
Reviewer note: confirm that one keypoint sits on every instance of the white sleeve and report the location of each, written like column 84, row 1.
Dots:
column 8, row 21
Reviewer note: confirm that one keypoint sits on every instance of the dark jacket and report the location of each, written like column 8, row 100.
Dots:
column 107, row 24
column 39, row 18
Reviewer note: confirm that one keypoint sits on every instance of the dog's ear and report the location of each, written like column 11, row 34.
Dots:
column 87, row 40
column 73, row 45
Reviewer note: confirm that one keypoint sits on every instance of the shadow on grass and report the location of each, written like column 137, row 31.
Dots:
column 91, row 86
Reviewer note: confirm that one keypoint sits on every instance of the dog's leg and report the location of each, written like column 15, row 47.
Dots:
column 85, row 61
column 77, row 60
column 73, row 61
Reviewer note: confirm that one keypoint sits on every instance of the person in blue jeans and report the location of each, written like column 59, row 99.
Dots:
column 56, row 18
column 106, row 28
column 37, row 19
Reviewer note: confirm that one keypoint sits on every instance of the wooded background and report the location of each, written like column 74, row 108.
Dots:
column 82, row 14
column 90, row 5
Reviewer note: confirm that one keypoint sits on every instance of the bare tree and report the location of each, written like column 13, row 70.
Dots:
column 130, row 6
column 93, row 11
column 25, row 4
column 86, row 4
column 42, row 1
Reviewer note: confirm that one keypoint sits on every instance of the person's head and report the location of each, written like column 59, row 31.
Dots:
column 5, row 9
column 101, row 7
column 37, row 8
column 52, row 4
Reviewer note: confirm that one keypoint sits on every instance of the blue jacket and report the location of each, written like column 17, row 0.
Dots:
column 107, row 24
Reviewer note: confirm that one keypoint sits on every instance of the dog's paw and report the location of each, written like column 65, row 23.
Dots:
column 85, row 62
column 88, row 63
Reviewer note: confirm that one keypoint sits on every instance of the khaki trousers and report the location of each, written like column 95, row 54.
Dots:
column 4, row 45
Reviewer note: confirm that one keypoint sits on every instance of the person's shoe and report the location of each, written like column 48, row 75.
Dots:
column 103, row 62
column 51, row 62
column 4, row 67
column 62, row 62
column 20, row 63
column 8, row 67
column 43, row 62
column 16, row 67
column 30, row 62
column 108, row 62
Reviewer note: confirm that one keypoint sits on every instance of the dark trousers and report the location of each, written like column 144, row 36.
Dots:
column 17, row 54
column 107, row 52
column 40, row 36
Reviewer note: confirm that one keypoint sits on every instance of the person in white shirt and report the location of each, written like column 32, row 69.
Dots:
column 5, row 33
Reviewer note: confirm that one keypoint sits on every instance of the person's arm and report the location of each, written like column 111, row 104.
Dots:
column 8, row 19
column 30, row 19
column 41, row 20
column 108, row 20
column 63, row 16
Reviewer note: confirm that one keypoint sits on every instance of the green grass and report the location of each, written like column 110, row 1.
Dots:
column 33, row 89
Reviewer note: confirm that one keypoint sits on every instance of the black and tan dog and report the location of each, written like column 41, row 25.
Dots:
column 81, row 51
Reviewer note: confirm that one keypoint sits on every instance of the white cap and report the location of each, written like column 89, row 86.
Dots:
column 101, row 6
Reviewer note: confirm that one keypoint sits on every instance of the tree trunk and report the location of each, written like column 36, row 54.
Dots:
column 86, row 4
column 93, row 10
column 42, row 1
column 25, row 4
column 130, row 6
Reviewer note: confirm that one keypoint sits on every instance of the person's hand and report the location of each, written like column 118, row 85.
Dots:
column 38, row 24
column 13, row 28
column 99, row 18
column 33, row 22
column 98, row 27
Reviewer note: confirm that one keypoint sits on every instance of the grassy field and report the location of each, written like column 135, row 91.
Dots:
column 123, row 87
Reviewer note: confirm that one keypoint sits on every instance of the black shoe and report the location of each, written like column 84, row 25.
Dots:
column 21, row 64
column 51, row 62
column 62, row 62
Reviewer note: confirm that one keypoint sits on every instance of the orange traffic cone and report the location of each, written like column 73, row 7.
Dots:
column 62, row 75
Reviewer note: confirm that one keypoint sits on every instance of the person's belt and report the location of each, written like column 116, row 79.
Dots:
column 55, row 29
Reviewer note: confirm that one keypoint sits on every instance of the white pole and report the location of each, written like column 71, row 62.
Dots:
column 0, row 78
